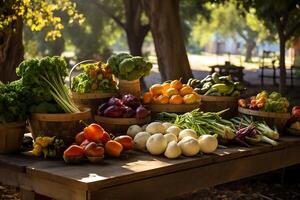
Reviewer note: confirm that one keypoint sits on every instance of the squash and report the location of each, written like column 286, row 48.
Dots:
column 155, row 127
column 133, row 130
column 208, row 143
column 189, row 146
column 174, row 129
column 171, row 137
column 173, row 150
column 156, row 144
column 187, row 132
column 139, row 141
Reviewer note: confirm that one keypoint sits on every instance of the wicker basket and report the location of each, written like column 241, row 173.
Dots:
column 130, row 87
column 11, row 136
column 88, row 100
column 119, row 126
column 271, row 118
column 218, row 103
column 62, row 125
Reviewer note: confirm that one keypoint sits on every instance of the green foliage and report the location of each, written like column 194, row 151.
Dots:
column 45, row 78
column 14, row 101
column 38, row 15
column 227, row 21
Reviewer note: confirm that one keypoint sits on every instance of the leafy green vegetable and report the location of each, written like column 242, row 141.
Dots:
column 45, row 79
column 95, row 77
column 14, row 101
column 128, row 67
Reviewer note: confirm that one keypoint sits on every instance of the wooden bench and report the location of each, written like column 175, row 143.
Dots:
column 141, row 176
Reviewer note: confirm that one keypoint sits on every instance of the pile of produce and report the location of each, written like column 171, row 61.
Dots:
column 49, row 147
column 45, row 80
column 264, row 101
column 254, row 132
column 166, row 138
column 293, row 124
column 202, row 122
column 14, row 102
column 94, row 143
column 173, row 92
column 128, row 67
column 216, row 85
column 96, row 77
column 128, row 106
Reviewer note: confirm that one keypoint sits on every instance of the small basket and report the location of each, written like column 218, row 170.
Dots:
column 62, row 125
column 119, row 126
column 172, row 108
column 271, row 118
column 130, row 87
column 11, row 136
column 218, row 103
column 89, row 100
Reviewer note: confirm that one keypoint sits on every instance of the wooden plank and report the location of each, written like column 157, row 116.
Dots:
column 201, row 177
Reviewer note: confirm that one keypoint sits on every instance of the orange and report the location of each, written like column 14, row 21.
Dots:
column 165, row 86
column 171, row 91
column 176, row 84
column 186, row 90
column 176, row 99
column 190, row 99
column 197, row 96
column 147, row 98
column 162, row 99
column 156, row 89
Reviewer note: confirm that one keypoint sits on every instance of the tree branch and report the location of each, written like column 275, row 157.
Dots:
column 293, row 30
column 109, row 13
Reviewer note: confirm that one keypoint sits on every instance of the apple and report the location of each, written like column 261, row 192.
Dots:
column 126, row 141
column 79, row 138
column 93, row 150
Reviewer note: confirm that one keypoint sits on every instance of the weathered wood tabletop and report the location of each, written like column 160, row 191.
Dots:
column 141, row 176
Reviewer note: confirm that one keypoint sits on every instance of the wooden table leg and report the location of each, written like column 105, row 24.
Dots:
column 30, row 195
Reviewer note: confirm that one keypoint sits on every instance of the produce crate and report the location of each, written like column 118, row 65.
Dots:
column 172, row 108
column 119, row 126
column 218, row 103
column 271, row 118
column 11, row 136
column 62, row 125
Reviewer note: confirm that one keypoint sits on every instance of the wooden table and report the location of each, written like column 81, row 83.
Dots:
column 141, row 176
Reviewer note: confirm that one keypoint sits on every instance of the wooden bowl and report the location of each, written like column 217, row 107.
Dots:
column 91, row 100
column 62, row 125
column 172, row 108
column 293, row 131
column 271, row 118
column 119, row 126
column 218, row 103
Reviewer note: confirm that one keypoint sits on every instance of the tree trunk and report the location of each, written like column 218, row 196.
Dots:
column 135, row 30
column 11, row 51
column 282, row 86
column 168, row 39
column 250, row 45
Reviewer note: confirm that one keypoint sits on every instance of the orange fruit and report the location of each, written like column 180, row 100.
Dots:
column 186, row 90
column 171, row 91
column 162, row 99
column 165, row 86
column 156, row 89
column 176, row 99
column 176, row 84
column 198, row 96
column 147, row 98
column 190, row 99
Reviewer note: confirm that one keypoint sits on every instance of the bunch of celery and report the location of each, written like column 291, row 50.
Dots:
column 202, row 122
